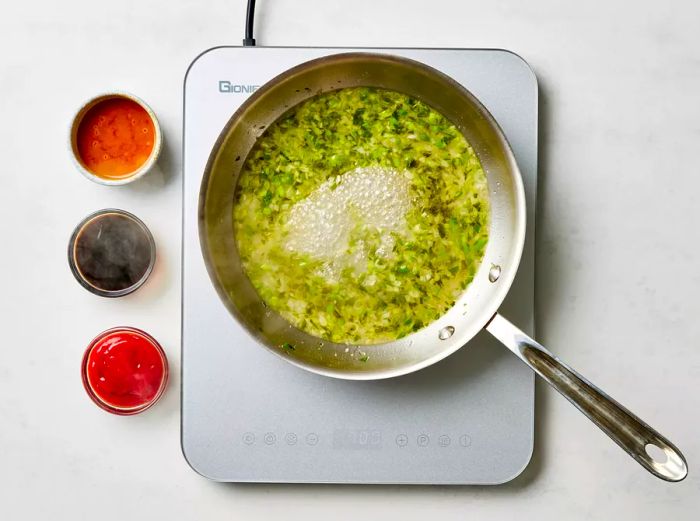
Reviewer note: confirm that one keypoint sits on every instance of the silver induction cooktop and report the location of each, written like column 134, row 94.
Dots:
column 249, row 416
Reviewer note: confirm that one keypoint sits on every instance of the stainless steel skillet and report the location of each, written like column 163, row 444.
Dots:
column 482, row 298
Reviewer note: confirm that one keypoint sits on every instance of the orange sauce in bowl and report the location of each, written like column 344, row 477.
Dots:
column 115, row 138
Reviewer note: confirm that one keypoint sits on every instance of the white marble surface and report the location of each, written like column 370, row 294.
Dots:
column 617, row 250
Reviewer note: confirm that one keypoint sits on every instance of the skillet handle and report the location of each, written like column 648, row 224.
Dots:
column 626, row 429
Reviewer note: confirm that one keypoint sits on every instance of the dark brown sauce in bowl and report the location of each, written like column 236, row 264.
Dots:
column 111, row 253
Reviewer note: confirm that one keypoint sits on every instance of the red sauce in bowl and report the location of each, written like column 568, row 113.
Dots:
column 115, row 138
column 124, row 370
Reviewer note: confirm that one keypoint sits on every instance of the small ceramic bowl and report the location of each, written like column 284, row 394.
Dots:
column 143, row 169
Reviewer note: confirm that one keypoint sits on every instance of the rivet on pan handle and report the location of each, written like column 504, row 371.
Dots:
column 626, row 429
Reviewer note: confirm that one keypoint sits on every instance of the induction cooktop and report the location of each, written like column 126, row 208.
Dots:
column 249, row 416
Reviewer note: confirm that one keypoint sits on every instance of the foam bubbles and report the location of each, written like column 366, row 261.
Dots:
column 321, row 225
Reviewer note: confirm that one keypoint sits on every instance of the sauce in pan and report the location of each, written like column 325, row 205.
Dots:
column 361, row 215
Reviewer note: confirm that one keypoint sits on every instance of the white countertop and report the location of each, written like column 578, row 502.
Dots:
column 617, row 251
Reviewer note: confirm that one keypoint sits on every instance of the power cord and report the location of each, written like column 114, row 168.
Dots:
column 249, row 41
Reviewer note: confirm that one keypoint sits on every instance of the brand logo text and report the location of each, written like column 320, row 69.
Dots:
column 236, row 88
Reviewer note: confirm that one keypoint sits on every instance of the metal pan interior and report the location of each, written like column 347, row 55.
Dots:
column 507, row 219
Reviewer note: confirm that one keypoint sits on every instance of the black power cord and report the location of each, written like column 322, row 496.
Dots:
column 249, row 41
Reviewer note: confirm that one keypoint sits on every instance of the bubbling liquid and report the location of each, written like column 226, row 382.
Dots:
column 361, row 215
column 321, row 225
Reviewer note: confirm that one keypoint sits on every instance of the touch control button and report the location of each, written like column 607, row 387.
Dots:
column 248, row 438
column 423, row 440
column 402, row 440
column 270, row 438
column 311, row 438
column 444, row 441
column 290, row 438
column 465, row 440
